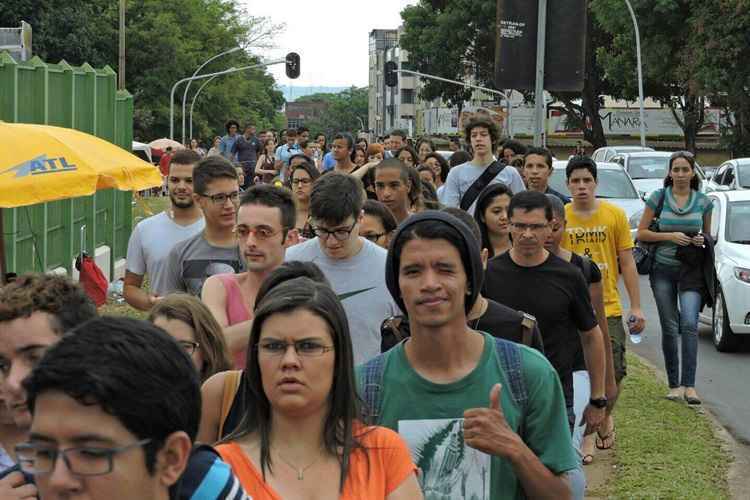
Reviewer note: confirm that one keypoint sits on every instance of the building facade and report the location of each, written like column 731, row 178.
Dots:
column 299, row 113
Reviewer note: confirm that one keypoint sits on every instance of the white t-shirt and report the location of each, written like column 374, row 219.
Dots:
column 360, row 284
column 150, row 244
column 461, row 177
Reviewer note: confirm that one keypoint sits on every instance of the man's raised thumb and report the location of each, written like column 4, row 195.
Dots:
column 495, row 397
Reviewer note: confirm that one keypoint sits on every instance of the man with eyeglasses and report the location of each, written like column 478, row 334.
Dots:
column 353, row 265
column 531, row 279
column 153, row 238
column 35, row 311
column 265, row 228
column 214, row 250
column 115, row 410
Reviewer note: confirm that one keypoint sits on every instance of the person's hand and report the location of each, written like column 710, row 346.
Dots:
column 593, row 417
column 14, row 487
column 153, row 299
column 680, row 239
column 640, row 321
column 611, row 391
column 698, row 240
column 486, row 430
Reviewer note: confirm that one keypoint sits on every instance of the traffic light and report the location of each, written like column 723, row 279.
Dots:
column 391, row 77
column 292, row 65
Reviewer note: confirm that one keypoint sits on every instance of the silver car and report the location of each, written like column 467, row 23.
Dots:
column 730, row 176
column 613, row 184
column 648, row 170
column 606, row 153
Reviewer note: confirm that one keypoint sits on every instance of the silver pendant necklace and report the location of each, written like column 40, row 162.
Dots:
column 300, row 472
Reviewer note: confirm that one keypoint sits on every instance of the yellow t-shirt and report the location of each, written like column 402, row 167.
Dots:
column 600, row 237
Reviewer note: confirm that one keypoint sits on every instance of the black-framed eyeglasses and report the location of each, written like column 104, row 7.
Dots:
column 189, row 346
column 38, row 458
column 374, row 237
column 304, row 348
column 221, row 198
column 340, row 234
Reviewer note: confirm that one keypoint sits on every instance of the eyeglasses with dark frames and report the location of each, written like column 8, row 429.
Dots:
column 340, row 234
column 374, row 237
column 38, row 458
column 304, row 348
column 221, row 198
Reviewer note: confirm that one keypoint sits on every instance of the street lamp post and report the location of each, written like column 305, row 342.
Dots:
column 184, row 95
column 640, row 72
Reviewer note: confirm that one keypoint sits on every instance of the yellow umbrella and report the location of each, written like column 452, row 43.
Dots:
column 41, row 163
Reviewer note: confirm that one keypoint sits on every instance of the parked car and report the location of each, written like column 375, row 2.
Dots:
column 730, row 227
column 648, row 170
column 613, row 184
column 606, row 153
column 731, row 175
column 709, row 171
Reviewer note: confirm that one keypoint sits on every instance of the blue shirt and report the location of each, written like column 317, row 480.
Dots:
column 328, row 162
column 284, row 153
column 227, row 145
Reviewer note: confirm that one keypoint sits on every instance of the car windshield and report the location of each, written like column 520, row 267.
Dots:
column 744, row 175
column 738, row 222
column 612, row 183
column 648, row 168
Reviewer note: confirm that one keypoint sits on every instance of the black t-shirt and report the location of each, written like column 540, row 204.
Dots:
column 556, row 293
column 503, row 322
column 594, row 275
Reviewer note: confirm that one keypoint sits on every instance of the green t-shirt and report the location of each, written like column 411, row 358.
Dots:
column 429, row 417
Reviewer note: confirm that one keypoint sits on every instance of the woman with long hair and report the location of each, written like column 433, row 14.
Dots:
column 424, row 147
column 439, row 167
column 360, row 156
column 214, row 149
column 491, row 214
column 301, row 422
column 302, row 177
column 194, row 146
column 378, row 223
column 677, row 273
column 192, row 325
column 267, row 166
column 408, row 156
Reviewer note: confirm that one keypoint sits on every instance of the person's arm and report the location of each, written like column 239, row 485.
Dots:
column 596, row 291
column 630, row 276
column 261, row 170
column 593, row 352
column 646, row 235
column 136, row 296
column 451, row 196
column 486, row 430
column 408, row 490
column 14, row 487
column 212, row 393
column 214, row 295
column 362, row 171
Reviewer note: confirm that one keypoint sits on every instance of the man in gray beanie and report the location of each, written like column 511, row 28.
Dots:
column 484, row 418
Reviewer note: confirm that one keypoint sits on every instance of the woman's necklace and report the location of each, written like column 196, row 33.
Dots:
column 300, row 472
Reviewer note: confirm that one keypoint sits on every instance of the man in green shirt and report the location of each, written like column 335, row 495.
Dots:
column 484, row 418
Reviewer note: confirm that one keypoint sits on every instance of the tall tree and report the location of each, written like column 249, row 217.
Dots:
column 668, row 64
column 346, row 111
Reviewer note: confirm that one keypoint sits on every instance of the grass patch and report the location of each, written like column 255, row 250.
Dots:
column 146, row 207
column 664, row 449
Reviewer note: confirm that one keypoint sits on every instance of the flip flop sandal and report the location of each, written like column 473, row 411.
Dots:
column 601, row 441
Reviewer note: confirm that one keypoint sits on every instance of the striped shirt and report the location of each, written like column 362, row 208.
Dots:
column 688, row 219
column 207, row 477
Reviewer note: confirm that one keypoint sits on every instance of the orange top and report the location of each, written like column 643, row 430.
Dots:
column 387, row 465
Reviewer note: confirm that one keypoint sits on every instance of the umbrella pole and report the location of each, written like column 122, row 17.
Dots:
column 2, row 250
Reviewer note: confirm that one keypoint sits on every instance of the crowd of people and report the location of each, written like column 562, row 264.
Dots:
column 402, row 324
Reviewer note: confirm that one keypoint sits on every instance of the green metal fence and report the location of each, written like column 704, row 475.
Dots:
column 46, row 236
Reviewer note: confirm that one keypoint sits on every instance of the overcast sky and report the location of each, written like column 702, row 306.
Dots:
column 331, row 36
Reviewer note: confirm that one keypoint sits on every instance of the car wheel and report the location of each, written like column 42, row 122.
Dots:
column 724, row 339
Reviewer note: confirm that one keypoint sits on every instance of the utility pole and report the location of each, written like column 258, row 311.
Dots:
column 539, row 105
column 121, row 64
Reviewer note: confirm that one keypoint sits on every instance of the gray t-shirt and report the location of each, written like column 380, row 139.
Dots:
column 150, row 244
column 461, row 177
column 247, row 150
column 360, row 284
column 193, row 261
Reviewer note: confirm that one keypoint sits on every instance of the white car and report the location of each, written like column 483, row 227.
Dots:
column 731, row 175
column 613, row 184
column 606, row 153
column 730, row 227
column 649, row 168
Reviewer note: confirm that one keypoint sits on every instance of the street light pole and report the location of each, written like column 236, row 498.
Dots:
column 539, row 105
column 640, row 73
column 184, row 95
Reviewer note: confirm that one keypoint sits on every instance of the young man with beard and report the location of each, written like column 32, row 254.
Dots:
column 153, row 238
column 353, row 265
column 214, row 250
column 392, row 186
column 485, row 418
column 466, row 181
column 265, row 228
column 537, row 169
column 35, row 311
column 531, row 279
column 600, row 231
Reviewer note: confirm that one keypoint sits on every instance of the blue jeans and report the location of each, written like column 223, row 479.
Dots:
column 678, row 315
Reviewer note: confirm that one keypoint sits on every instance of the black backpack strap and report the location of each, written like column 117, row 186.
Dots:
column 471, row 195
column 660, row 206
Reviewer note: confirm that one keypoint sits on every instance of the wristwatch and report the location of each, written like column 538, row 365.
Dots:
column 598, row 402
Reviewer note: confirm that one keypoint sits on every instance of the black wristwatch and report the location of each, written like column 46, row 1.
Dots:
column 598, row 403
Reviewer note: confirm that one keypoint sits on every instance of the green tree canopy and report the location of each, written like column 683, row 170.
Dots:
column 346, row 112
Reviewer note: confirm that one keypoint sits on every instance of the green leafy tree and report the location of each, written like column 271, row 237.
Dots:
column 667, row 56
column 346, row 111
